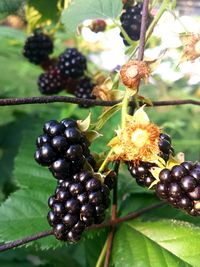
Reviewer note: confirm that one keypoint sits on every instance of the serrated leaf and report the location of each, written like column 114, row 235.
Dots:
column 24, row 214
column 154, row 244
column 10, row 6
column 81, row 10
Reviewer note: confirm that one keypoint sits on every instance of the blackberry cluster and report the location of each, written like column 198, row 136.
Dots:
column 38, row 47
column 131, row 22
column 63, row 148
column 180, row 186
column 80, row 199
column 141, row 172
column 72, row 63
column 77, row 203
column 51, row 82
column 84, row 90
column 66, row 72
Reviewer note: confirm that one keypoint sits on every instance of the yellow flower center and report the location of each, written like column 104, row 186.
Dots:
column 140, row 137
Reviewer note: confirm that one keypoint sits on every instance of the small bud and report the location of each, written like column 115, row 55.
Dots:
column 98, row 25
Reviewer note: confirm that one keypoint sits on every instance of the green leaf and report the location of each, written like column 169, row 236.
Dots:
column 24, row 212
column 156, row 243
column 10, row 6
column 106, row 115
column 47, row 9
column 81, row 10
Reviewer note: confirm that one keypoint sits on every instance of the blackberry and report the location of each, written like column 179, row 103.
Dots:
column 72, row 63
column 142, row 173
column 180, row 186
column 110, row 180
column 131, row 22
column 38, row 47
column 77, row 204
column 84, row 90
column 63, row 148
column 165, row 146
column 51, row 82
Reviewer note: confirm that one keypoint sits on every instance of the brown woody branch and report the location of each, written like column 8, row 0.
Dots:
column 90, row 102
column 40, row 235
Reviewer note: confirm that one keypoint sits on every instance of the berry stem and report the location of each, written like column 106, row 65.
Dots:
column 105, row 162
column 124, row 108
column 102, row 255
column 127, row 38
column 163, row 8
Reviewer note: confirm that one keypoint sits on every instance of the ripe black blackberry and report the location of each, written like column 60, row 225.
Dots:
column 141, row 172
column 76, row 204
column 72, row 63
column 180, row 186
column 38, row 47
column 84, row 90
column 63, row 148
column 51, row 82
column 131, row 22
column 165, row 146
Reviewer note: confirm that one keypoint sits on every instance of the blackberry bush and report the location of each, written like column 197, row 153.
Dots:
column 38, row 47
column 131, row 22
column 72, row 63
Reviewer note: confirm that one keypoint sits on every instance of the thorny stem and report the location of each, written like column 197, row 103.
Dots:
column 25, row 240
column 37, row 236
column 90, row 102
column 143, row 29
column 163, row 8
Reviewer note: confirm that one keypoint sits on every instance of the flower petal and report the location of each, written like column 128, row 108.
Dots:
column 140, row 116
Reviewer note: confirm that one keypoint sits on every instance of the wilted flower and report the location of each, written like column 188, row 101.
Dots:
column 191, row 46
column 132, row 72
column 137, row 141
